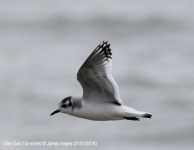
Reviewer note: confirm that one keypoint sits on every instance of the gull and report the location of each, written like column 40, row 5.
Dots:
column 100, row 100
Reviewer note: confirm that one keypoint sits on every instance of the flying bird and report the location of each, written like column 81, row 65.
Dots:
column 100, row 100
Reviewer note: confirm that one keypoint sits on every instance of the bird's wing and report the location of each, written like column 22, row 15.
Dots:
column 95, row 76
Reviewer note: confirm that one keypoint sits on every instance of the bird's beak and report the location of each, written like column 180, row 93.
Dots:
column 56, row 111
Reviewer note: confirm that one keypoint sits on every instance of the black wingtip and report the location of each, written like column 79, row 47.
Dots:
column 103, row 42
column 105, row 47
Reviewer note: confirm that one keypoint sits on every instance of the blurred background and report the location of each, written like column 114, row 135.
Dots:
column 43, row 43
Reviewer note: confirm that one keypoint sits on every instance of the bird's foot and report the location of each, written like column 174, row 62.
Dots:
column 147, row 115
column 132, row 118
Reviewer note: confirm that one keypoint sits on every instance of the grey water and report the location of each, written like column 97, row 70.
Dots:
column 43, row 44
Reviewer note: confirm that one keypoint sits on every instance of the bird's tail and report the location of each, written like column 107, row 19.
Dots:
column 132, row 114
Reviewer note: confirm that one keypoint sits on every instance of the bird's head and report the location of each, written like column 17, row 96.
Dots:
column 64, row 106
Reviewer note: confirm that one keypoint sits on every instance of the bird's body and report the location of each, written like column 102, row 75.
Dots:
column 101, row 100
column 103, row 111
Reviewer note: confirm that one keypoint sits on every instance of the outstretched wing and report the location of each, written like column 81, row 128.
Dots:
column 96, row 78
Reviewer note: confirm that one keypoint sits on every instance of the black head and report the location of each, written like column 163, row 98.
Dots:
column 66, row 102
column 63, row 105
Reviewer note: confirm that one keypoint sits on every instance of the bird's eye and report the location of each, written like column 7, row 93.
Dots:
column 64, row 106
